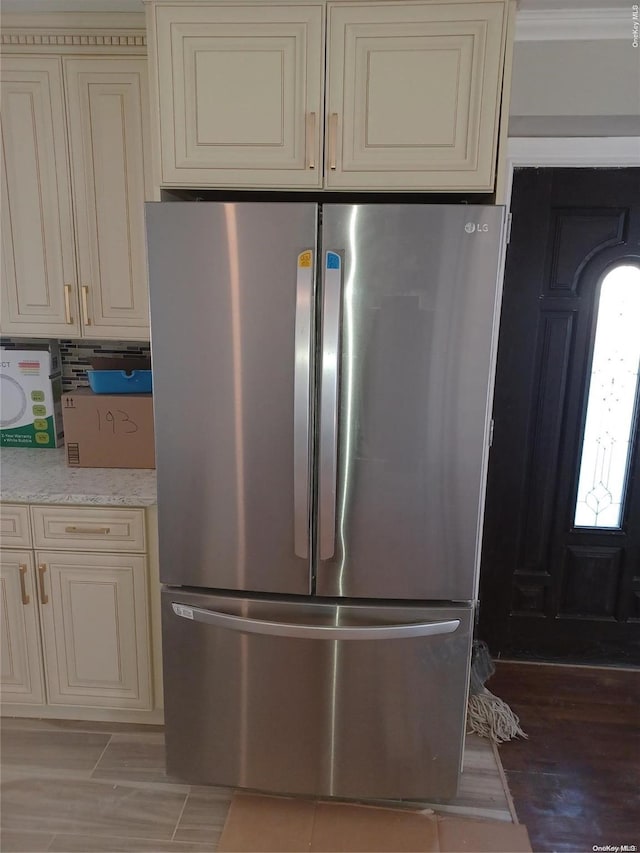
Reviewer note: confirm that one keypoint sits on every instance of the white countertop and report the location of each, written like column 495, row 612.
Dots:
column 42, row 476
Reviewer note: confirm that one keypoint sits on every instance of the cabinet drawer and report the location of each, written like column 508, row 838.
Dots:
column 88, row 529
column 15, row 531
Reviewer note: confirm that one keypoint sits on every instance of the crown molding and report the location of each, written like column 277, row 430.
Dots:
column 127, row 29
column 73, row 31
column 573, row 24
column 615, row 151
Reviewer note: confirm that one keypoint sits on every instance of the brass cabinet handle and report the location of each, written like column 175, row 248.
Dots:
column 333, row 140
column 42, row 568
column 23, row 588
column 311, row 140
column 85, row 304
column 73, row 529
column 67, row 304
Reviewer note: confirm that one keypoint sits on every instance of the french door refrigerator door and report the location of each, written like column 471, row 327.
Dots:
column 315, row 698
column 410, row 303
column 232, row 294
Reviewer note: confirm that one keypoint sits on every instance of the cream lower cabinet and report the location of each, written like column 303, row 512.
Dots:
column 76, row 623
column 95, row 639
column 413, row 93
column 76, row 171
column 22, row 671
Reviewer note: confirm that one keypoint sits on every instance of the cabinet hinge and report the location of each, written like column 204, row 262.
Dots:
column 509, row 221
column 491, row 426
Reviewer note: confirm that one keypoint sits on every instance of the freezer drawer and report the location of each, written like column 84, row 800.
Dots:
column 343, row 700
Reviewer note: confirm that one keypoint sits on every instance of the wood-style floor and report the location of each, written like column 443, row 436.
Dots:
column 102, row 787
column 69, row 786
column 576, row 781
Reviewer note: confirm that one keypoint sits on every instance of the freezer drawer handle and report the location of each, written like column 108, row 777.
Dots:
column 315, row 632
column 301, row 414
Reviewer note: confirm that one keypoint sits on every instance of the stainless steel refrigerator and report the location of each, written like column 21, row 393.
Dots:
column 322, row 387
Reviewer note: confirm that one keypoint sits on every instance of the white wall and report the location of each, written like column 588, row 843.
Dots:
column 575, row 88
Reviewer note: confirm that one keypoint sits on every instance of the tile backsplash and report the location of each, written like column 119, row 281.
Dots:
column 75, row 355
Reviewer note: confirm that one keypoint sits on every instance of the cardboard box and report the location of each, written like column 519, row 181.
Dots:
column 108, row 430
column 280, row 824
column 30, row 392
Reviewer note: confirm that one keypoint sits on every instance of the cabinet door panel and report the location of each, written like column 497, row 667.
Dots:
column 237, row 86
column 95, row 629
column 416, row 91
column 15, row 529
column 21, row 663
column 37, row 236
column 108, row 137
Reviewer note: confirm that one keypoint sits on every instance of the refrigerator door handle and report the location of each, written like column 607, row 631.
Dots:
column 328, row 466
column 315, row 632
column 301, row 415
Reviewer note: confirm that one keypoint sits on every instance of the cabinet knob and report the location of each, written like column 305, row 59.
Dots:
column 333, row 140
column 23, row 588
column 85, row 305
column 72, row 528
column 311, row 140
column 42, row 568
column 67, row 304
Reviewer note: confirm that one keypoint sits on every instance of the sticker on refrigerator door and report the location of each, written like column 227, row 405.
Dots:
column 181, row 610
column 305, row 259
column 333, row 261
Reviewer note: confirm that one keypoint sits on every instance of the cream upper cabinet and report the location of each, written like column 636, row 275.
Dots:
column 108, row 130
column 21, row 670
column 413, row 93
column 39, row 289
column 240, row 93
column 76, row 160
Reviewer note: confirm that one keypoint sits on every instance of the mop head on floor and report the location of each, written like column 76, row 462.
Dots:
column 487, row 715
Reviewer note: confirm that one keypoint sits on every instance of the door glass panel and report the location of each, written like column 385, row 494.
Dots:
column 613, row 389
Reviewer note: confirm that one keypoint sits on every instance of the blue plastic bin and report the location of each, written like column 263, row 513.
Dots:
column 120, row 382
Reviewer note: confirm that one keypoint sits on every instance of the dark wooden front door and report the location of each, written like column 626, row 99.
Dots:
column 551, row 588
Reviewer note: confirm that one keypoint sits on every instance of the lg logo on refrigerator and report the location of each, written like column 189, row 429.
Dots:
column 472, row 227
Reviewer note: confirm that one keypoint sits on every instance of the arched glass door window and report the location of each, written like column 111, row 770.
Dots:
column 612, row 400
